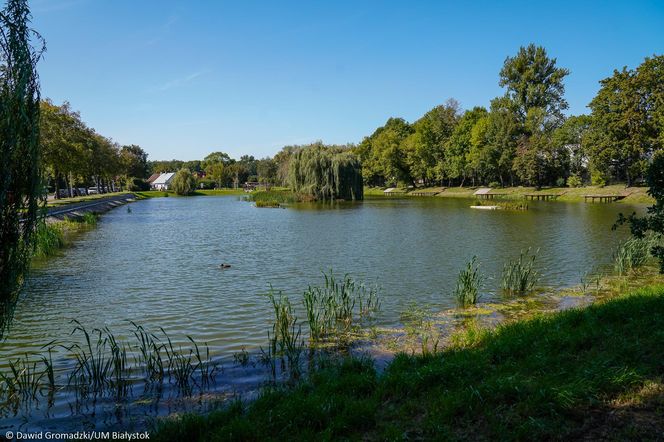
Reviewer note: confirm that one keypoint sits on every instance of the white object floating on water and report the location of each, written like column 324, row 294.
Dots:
column 485, row 207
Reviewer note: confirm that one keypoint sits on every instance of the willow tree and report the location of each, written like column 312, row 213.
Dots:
column 20, row 175
column 326, row 173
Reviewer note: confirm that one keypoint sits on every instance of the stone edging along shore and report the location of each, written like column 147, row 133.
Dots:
column 77, row 210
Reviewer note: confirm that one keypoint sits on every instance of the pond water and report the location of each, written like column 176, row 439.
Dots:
column 158, row 265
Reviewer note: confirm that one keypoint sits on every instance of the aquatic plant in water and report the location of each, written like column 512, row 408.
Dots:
column 335, row 307
column 468, row 284
column 633, row 253
column 420, row 326
column 520, row 275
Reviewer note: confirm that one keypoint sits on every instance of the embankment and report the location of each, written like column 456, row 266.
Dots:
column 79, row 209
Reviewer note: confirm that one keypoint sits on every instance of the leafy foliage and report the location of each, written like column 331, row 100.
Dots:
column 654, row 220
column 326, row 173
column 20, row 152
column 184, row 183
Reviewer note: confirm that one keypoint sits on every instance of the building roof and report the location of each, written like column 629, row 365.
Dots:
column 153, row 177
column 164, row 178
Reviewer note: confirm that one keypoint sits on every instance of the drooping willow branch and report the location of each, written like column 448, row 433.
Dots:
column 20, row 155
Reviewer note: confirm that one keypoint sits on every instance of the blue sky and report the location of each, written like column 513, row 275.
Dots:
column 184, row 78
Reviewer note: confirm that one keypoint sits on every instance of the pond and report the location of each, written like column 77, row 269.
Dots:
column 159, row 265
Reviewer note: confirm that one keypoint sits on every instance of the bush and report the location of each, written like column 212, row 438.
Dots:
column 560, row 182
column 494, row 184
column 184, row 183
column 574, row 181
column 207, row 183
column 137, row 185
column 597, row 178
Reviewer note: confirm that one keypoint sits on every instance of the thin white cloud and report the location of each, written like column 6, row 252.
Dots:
column 163, row 30
column 179, row 82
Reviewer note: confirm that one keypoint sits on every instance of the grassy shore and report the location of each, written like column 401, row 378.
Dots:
column 590, row 373
column 211, row 192
column 50, row 237
column 636, row 195
column 78, row 199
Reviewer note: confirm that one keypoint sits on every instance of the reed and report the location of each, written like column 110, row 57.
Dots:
column 633, row 253
column 205, row 366
column 270, row 198
column 419, row 325
column 93, row 369
column 285, row 341
column 48, row 239
column 468, row 284
column 90, row 218
column 23, row 382
column 241, row 357
column 268, row 203
column 107, row 365
column 149, row 350
column 334, row 308
column 520, row 275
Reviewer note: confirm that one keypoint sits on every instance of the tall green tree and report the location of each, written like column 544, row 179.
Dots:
column 134, row 161
column 326, row 173
column 425, row 147
column 654, row 220
column 267, row 169
column 456, row 161
column 184, row 183
column 627, row 121
column 572, row 136
column 533, row 80
column 384, row 154
column 20, row 162
column 541, row 161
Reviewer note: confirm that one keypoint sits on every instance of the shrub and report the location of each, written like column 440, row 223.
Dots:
column 574, row 181
column 597, row 178
column 494, row 184
column 560, row 182
column 137, row 185
column 207, row 183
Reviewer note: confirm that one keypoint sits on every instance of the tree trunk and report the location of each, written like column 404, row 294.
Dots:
column 57, row 185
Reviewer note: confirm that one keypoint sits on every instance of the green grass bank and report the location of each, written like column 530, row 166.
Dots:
column 635, row 195
column 591, row 373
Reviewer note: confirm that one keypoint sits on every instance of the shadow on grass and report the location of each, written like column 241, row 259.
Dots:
column 594, row 372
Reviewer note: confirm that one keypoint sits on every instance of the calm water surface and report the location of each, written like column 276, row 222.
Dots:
column 159, row 264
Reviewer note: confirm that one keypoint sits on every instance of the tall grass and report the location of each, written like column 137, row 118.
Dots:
column 23, row 382
column 106, row 365
column 520, row 275
column 419, row 325
column 284, row 342
column 633, row 253
column 469, row 282
column 270, row 198
column 335, row 307
column 48, row 239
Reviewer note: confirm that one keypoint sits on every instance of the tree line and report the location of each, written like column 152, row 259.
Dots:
column 524, row 138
